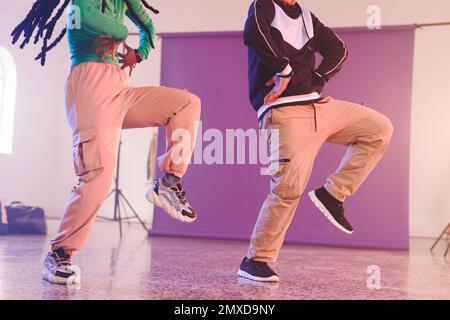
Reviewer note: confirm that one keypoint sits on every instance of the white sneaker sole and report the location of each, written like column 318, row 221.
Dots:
column 161, row 202
column 50, row 277
column 326, row 213
column 246, row 275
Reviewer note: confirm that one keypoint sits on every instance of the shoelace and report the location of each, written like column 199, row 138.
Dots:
column 259, row 265
column 180, row 193
column 62, row 261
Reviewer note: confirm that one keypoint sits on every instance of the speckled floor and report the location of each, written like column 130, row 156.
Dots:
column 168, row 268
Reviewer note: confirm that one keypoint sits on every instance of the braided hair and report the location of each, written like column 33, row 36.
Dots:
column 39, row 19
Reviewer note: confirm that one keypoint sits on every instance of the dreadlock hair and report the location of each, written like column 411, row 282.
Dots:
column 135, row 16
column 38, row 19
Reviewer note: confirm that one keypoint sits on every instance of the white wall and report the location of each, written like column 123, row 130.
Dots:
column 32, row 172
column 40, row 169
column 430, row 147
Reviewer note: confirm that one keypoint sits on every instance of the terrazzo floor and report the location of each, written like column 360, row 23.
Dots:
column 138, row 267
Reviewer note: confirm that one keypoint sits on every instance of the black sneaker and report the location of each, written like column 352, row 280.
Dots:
column 257, row 271
column 331, row 208
column 58, row 268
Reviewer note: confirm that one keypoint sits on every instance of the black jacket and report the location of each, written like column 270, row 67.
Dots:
column 282, row 39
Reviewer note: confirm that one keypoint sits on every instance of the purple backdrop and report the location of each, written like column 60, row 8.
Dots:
column 228, row 197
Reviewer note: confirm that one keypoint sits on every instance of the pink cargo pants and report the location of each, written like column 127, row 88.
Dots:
column 99, row 104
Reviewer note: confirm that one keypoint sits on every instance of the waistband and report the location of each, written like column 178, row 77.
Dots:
column 289, row 101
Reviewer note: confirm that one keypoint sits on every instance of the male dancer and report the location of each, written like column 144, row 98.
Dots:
column 285, row 89
column 99, row 103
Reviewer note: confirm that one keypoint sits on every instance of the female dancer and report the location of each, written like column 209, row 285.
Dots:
column 99, row 103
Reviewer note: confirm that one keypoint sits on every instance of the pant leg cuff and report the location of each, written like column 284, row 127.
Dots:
column 175, row 173
column 67, row 251
column 261, row 258
column 334, row 192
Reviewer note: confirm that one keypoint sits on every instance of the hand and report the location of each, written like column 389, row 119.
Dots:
column 129, row 59
column 109, row 45
column 280, row 86
column 318, row 83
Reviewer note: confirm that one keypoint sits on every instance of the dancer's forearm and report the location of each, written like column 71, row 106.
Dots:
column 144, row 39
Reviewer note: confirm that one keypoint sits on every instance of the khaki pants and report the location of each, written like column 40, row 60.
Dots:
column 99, row 103
column 367, row 134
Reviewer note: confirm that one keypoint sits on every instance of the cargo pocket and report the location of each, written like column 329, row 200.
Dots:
column 86, row 152
column 285, row 183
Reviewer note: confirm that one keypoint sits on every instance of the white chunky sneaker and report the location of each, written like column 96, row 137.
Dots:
column 58, row 269
column 172, row 199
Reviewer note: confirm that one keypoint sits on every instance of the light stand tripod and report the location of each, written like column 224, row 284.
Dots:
column 445, row 232
column 120, row 199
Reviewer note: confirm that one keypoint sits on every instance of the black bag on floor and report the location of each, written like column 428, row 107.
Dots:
column 26, row 220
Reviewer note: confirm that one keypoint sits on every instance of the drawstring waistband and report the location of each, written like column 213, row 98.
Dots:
column 315, row 116
column 315, row 111
column 313, row 102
